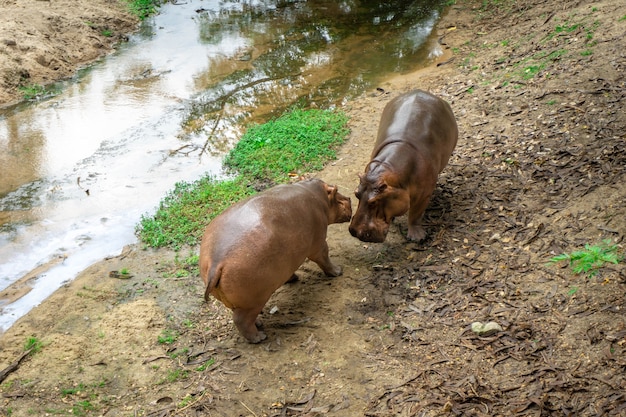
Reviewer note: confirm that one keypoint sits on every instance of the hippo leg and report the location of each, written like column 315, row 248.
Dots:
column 323, row 261
column 417, row 208
column 245, row 320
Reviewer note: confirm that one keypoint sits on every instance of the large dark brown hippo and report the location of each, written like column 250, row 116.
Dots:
column 416, row 136
column 256, row 245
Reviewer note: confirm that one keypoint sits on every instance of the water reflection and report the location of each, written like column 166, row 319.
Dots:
column 78, row 170
column 319, row 52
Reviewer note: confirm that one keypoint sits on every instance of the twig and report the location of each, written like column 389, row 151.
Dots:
column 248, row 408
column 222, row 102
column 12, row 367
column 193, row 403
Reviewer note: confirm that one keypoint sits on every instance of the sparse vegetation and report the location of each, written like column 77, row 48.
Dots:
column 82, row 407
column 175, row 375
column 143, row 8
column 74, row 390
column 33, row 344
column 32, row 92
column 168, row 337
column 590, row 259
column 205, row 365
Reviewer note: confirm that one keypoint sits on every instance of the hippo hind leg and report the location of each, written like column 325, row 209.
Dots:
column 245, row 320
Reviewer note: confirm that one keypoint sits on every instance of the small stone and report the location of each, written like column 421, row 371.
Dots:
column 486, row 329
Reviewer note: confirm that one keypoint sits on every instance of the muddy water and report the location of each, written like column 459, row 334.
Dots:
column 78, row 170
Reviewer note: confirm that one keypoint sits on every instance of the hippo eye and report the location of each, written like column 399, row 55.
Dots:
column 381, row 188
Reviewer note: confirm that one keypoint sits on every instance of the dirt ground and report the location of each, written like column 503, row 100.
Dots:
column 43, row 41
column 538, row 89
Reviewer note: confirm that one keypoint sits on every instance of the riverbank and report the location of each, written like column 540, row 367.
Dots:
column 538, row 91
column 42, row 42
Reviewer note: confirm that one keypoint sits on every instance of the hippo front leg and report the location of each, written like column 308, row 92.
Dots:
column 417, row 208
column 323, row 261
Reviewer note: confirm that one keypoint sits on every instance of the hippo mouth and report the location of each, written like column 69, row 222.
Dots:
column 369, row 235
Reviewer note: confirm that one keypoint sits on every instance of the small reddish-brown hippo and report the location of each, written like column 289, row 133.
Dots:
column 256, row 245
column 416, row 136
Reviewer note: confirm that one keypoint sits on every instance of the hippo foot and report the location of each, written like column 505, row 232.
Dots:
column 416, row 233
column 257, row 338
column 246, row 322
column 335, row 271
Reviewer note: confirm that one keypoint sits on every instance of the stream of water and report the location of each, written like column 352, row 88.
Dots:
column 79, row 169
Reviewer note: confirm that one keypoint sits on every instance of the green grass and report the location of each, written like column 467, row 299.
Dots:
column 174, row 375
column 81, row 408
column 299, row 142
column 34, row 344
column 591, row 258
column 143, row 8
column 168, row 337
column 205, row 365
column 74, row 390
column 188, row 208
column 184, row 267
column 32, row 91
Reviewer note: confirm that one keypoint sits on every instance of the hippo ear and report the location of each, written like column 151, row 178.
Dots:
column 332, row 192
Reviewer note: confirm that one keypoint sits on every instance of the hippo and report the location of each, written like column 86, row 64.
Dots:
column 256, row 245
column 416, row 136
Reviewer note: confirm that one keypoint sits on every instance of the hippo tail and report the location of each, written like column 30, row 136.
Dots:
column 214, row 275
column 211, row 276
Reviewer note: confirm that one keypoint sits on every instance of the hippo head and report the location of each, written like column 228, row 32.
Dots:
column 381, row 198
column 340, row 205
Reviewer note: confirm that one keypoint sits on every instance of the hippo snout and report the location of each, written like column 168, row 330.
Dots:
column 354, row 232
column 367, row 235
column 346, row 212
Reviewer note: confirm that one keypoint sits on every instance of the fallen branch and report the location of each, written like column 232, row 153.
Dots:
column 12, row 367
column 222, row 102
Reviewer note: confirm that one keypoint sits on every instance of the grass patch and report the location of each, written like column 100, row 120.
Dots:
column 74, row 390
column 174, row 375
column 34, row 344
column 143, row 8
column 168, row 337
column 590, row 259
column 206, row 365
column 81, row 408
column 186, row 210
column 298, row 142
column 32, row 92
